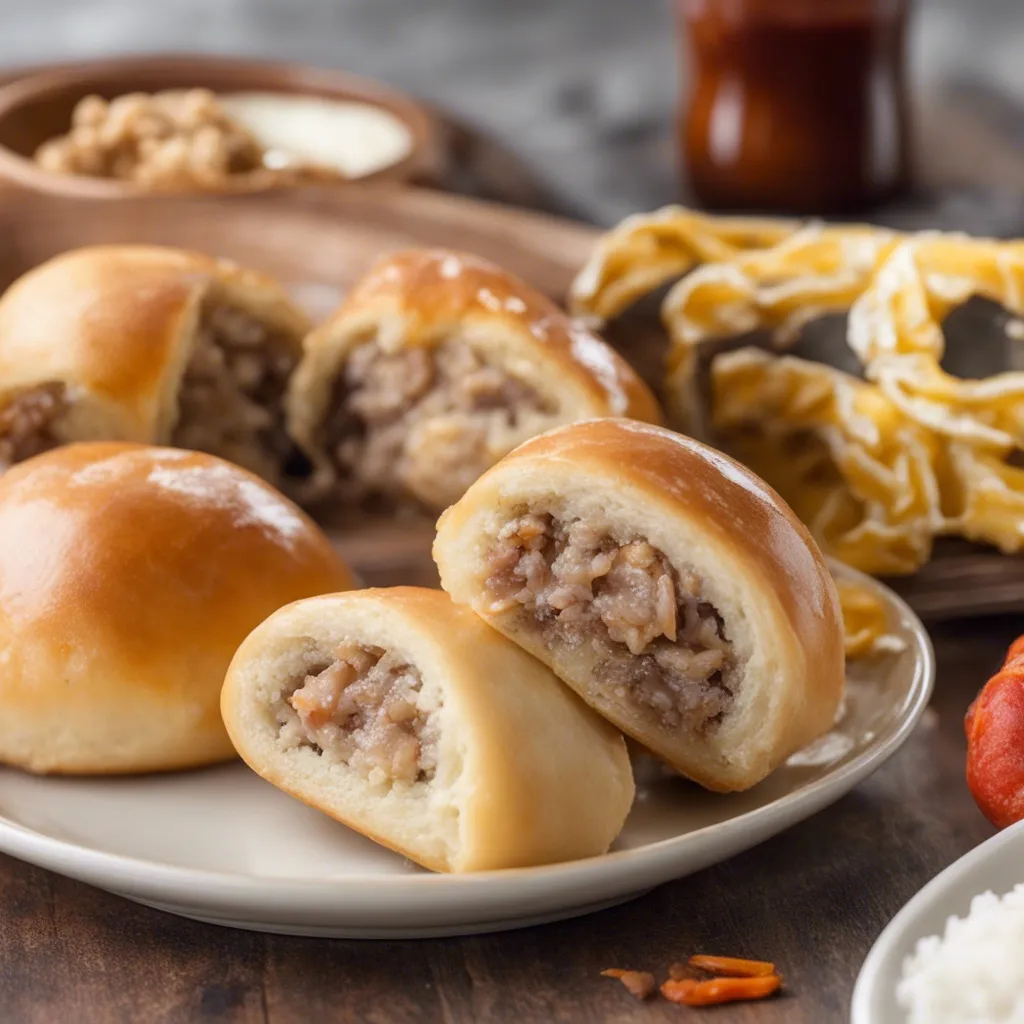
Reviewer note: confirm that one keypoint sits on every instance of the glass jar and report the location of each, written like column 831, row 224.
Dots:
column 795, row 105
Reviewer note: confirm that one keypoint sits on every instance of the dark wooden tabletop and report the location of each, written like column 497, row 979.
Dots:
column 813, row 900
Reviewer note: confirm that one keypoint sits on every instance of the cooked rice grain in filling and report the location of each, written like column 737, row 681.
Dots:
column 659, row 644
column 26, row 422
column 364, row 709
column 424, row 423
column 230, row 403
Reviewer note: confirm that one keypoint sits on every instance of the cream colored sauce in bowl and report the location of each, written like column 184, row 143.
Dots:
column 351, row 139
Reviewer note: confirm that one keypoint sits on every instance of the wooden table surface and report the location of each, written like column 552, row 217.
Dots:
column 813, row 899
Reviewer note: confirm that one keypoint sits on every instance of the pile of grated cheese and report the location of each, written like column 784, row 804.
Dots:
column 974, row 973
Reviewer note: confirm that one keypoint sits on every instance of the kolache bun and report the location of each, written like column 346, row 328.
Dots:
column 128, row 577
column 448, row 743
column 149, row 344
column 669, row 586
column 436, row 365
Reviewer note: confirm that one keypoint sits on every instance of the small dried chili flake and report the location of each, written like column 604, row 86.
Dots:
column 732, row 967
column 680, row 971
column 675, row 990
column 639, row 984
column 720, row 990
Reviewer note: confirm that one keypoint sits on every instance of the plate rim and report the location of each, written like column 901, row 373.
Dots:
column 866, row 990
column 617, row 872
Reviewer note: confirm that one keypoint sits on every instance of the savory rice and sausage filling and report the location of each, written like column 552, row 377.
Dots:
column 422, row 424
column 659, row 645
column 364, row 708
column 230, row 402
column 27, row 420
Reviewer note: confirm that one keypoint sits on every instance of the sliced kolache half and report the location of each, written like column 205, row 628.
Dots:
column 407, row 718
column 666, row 584
column 437, row 365
column 148, row 344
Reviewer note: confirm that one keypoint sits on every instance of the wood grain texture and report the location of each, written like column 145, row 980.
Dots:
column 964, row 580
column 813, row 899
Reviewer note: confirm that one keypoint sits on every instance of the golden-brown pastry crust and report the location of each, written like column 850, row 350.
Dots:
column 706, row 512
column 526, row 773
column 115, row 324
column 421, row 297
column 128, row 577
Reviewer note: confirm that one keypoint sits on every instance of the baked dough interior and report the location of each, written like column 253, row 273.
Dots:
column 367, row 727
column 364, row 707
column 409, row 719
column 422, row 423
column 231, row 395
column 658, row 648
column 27, row 422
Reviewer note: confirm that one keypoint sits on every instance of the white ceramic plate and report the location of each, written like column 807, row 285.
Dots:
column 996, row 865
column 223, row 846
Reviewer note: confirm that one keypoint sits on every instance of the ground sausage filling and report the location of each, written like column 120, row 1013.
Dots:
column 26, row 422
column 422, row 424
column 364, row 709
column 659, row 645
column 230, row 403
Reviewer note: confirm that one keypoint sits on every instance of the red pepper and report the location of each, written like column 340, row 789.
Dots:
column 639, row 984
column 995, row 742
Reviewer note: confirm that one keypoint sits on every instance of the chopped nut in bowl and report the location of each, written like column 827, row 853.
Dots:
column 207, row 125
column 176, row 140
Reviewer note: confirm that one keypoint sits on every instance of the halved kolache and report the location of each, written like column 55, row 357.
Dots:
column 437, row 364
column 407, row 718
column 149, row 344
column 666, row 584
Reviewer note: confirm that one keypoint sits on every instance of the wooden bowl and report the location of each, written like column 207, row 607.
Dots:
column 38, row 107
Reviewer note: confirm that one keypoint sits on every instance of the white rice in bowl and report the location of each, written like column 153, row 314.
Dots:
column 974, row 972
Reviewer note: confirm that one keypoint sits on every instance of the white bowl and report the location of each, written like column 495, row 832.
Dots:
column 996, row 865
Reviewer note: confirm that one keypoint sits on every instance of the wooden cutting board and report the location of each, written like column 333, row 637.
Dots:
column 318, row 247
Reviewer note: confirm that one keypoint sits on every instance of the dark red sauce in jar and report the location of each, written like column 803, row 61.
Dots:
column 795, row 105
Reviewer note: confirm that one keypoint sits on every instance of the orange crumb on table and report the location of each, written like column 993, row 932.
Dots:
column 639, row 984
column 689, row 992
column 680, row 971
column 732, row 967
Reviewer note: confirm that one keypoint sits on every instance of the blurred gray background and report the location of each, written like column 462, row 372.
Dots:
column 584, row 90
